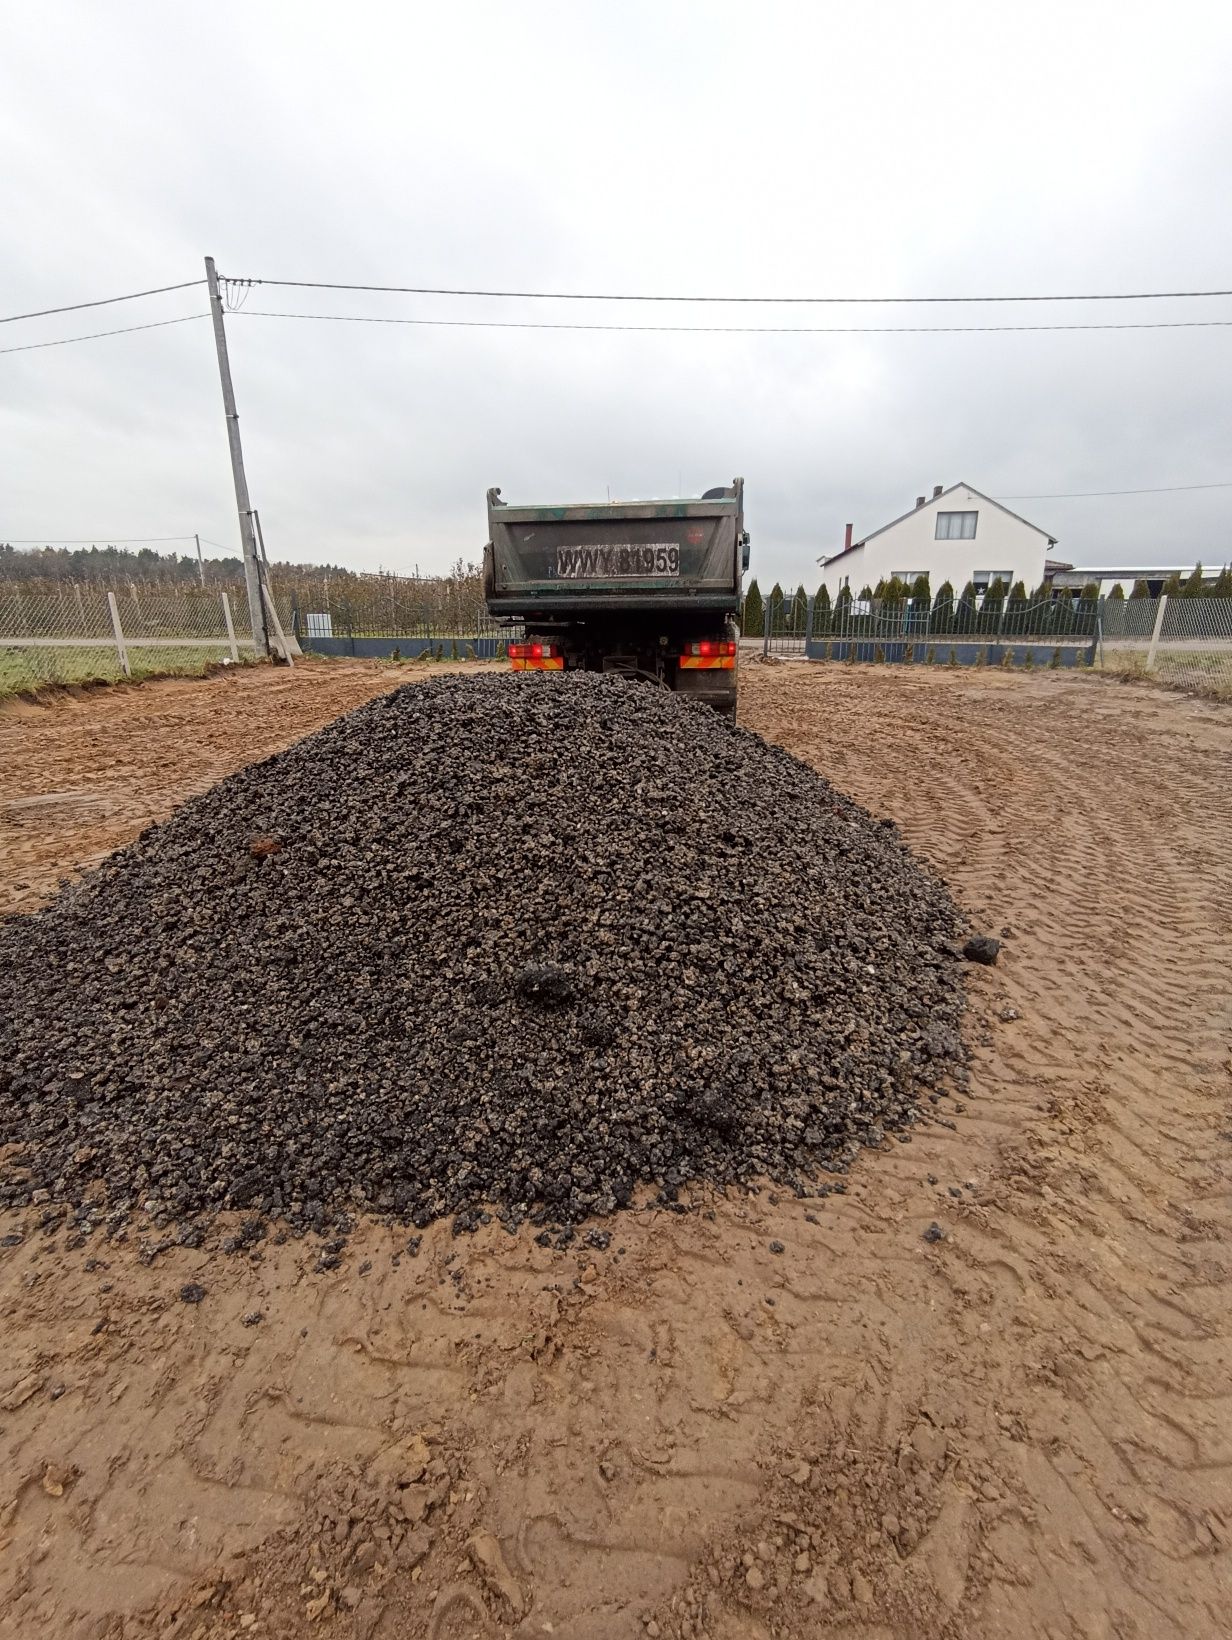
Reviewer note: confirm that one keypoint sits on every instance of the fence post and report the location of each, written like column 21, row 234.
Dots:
column 272, row 612
column 226, row 615
column 116, row 628
column 1159, row 621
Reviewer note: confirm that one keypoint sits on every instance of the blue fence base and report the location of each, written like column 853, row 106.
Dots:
column 944, row 652
column 409, row 649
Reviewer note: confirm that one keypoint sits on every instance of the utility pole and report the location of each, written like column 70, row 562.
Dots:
column 200, row 560
column 252, row 576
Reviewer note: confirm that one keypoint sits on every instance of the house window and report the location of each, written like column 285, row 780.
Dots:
column 955, row 526
column 982, row 579
column 911, row 576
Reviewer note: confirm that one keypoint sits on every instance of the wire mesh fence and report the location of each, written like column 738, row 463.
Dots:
column 1183, row 642
column 55, row 632
column 386, row 606
column 74, row 632
column 402, row 630
column 64, row 632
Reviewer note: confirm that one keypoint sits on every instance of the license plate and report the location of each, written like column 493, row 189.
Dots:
column 618, row 560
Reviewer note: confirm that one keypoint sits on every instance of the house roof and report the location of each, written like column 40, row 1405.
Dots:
column 856, row 546
column 1067, row 572
column 961, row 485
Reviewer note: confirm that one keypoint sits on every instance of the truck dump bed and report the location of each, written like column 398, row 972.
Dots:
column 686, row 554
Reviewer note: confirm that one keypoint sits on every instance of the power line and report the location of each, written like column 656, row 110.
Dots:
column 733, row 330
column 678, row 330
column 103, row 301
column 92, row 336
column 609, row 296
column 1076, row 495
column 91, row 540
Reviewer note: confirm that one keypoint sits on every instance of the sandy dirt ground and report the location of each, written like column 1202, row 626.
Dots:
column 1019, row 1427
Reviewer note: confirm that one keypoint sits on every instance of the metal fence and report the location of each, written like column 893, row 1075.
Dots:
column 1183, row 642
column 65, row 632
column 955, row 631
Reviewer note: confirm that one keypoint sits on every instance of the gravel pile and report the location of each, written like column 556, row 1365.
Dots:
column 517, row 944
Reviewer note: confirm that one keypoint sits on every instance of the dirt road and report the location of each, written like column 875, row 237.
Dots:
column 1016, row 1424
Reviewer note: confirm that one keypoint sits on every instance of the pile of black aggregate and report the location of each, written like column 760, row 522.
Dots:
column 514, row 943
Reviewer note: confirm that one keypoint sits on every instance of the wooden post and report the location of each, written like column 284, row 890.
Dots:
column 118, row 630
column 226, row 615
column 1159, row 621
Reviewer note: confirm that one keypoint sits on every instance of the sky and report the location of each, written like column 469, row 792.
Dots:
column 645, row 147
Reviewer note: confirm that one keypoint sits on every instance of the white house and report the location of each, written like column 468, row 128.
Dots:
column 956, row 535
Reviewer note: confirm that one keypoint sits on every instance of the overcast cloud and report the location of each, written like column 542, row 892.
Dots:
column 870, row 149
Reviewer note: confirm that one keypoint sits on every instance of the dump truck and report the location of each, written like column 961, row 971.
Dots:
column 650, row 589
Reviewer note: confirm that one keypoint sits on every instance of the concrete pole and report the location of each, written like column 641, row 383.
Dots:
column 200, row 561
column 1159, row 621
column 226, row 615
column 252, row 578
column 118, row 631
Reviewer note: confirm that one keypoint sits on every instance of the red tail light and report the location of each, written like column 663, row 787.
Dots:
column 538, row 657
column 710, row 655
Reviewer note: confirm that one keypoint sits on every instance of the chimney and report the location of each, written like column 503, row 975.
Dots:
column 919, row 500
column 847, row 539
column 937, row 489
